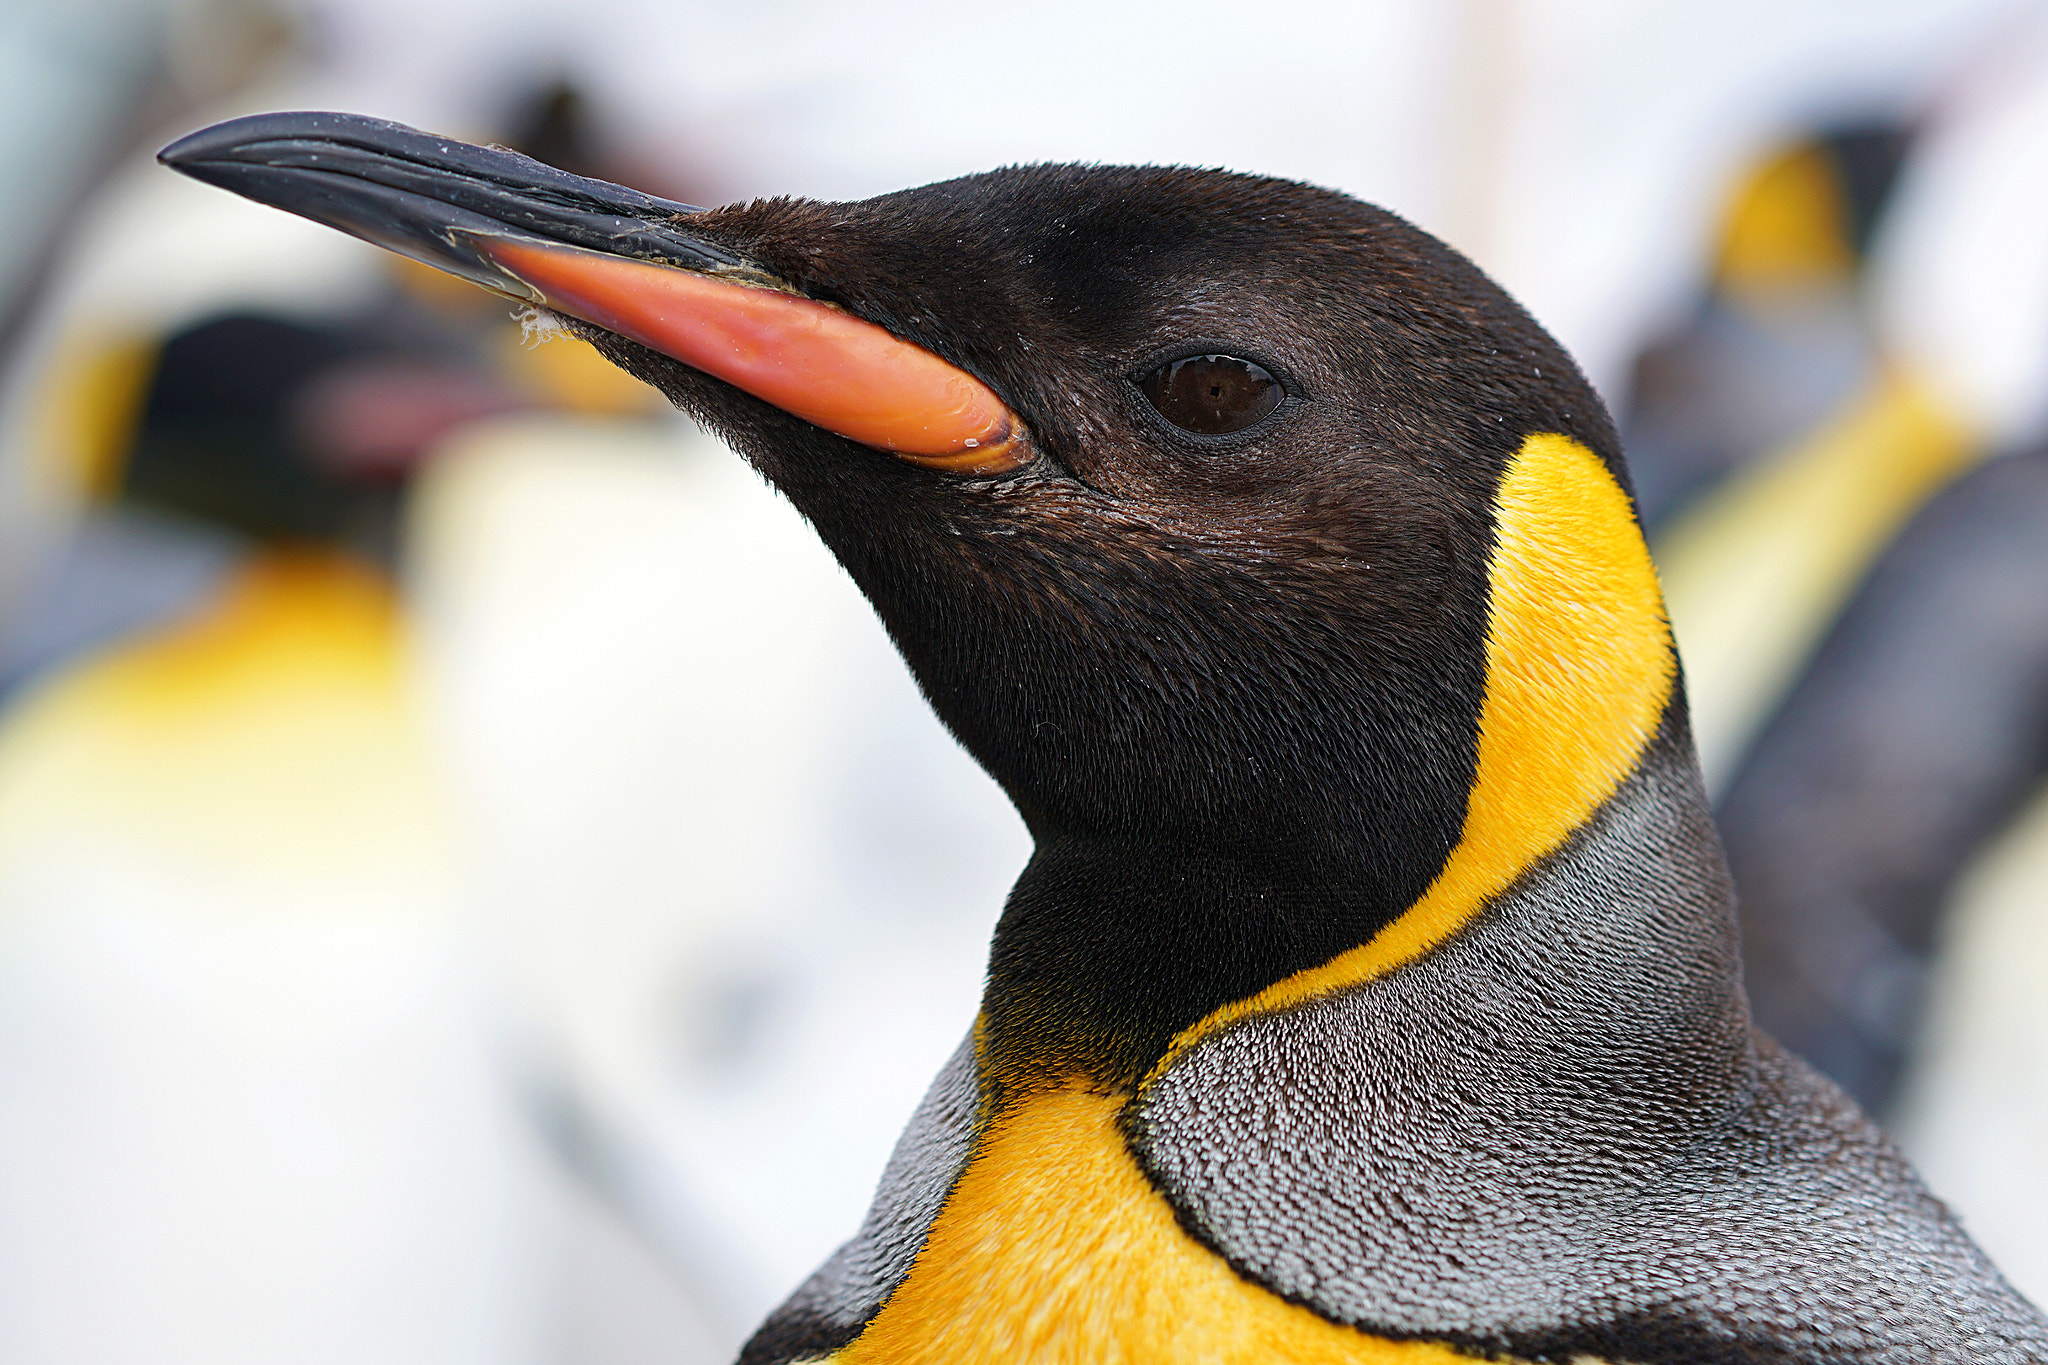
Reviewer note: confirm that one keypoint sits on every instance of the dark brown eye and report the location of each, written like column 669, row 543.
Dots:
column 1212, row 394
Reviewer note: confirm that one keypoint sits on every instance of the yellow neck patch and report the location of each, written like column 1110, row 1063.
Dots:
column 1055, row 1249
column 1579, row 667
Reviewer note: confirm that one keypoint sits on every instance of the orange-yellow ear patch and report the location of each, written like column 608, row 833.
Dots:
column 1579, row 667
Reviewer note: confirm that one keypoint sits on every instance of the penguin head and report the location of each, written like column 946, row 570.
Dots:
column 1206, row 567
column 1235, row 596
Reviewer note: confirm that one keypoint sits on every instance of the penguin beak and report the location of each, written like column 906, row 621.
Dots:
column 619, row 260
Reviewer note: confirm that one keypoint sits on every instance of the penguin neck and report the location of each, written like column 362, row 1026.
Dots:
column 1112, row 960
column 1108, row 950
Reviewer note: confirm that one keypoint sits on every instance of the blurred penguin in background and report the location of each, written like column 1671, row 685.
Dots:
column 1780, row 339
column 252, row 1102
column 235, row 997
column 243, row 1109
column 1782, row 442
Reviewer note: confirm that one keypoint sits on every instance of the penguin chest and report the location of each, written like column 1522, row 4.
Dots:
column 1054, row 1247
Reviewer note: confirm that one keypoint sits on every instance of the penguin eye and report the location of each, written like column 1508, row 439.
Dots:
column 1212, row 395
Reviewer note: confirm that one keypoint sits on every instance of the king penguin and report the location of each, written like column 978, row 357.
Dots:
column 1371, row 993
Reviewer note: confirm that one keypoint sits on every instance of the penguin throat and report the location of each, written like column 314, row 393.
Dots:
column 1107, row 952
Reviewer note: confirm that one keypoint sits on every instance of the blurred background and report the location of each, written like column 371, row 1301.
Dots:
column 477, row 886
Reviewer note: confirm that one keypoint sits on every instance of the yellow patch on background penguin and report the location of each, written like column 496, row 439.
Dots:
column 1579, row 667
column 271, row 734
column 90, row 410
column 1054, row 1249
column 1757, row 571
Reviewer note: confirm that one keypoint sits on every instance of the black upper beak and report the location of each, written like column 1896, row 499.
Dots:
column 620, row 261
column 432, row 198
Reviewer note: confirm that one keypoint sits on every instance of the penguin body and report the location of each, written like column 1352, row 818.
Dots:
column 1371, row 994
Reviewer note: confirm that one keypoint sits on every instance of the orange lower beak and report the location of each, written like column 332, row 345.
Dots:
column 808, row 358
